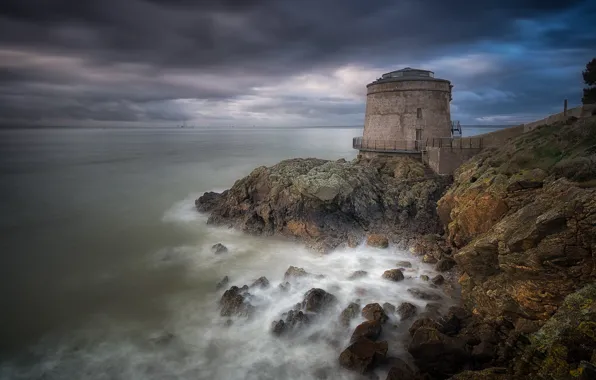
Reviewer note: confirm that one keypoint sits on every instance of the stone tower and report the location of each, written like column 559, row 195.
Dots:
column 405, row 106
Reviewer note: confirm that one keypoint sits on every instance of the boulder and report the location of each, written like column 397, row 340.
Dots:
column 436, row 353
column 377, row 241
column 388, row 308
column 393, row 275
column 219, row 249
column 221, row 284
column 294, row 320
column 295, row 272
column 403, row 264
column 438, row 280
column 234, row 302
column 317, row 301
column 358, row 274
column 368, row 329
column 284, row 286
column 445, row 264
column 400, row 370
column 424, row 295
column 261, row 282
column 406, row 311
column 363, row 355
column 374, row 312
column 349, row 313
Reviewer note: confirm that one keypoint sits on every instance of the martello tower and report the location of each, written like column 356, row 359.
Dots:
column 407, row 105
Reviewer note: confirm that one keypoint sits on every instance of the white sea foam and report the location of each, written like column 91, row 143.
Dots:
column 201, row 346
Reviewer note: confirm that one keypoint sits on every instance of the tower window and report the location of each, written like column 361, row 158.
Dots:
column 419, row 133
column 419, row 113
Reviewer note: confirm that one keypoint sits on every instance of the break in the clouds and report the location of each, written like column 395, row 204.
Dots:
column 282, row 62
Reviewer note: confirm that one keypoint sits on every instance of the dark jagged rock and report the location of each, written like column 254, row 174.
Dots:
column 295, row 272
column 223, row 283
column 294, row 320
column 374, row 312
column 234, row 302
column 438, row 280
column 358, row 274
column 284, row 286
column 363, row 355
column 261, row 282
column 317, row 301
column 369, row 329
column 406, row 311
column 400, row 370
column 444, row 265
column 377, row 241
column 424, row 295
column 219, row 249
column 349, row 313
column 324, row 202
column 393, row 275
column 438, row 354
column 388, row 308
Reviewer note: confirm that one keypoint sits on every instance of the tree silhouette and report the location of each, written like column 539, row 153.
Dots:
column 590, row 79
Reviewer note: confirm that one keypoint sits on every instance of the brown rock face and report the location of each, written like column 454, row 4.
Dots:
column 374, row 312
column 406, row 311
column 317, row 300
column 349, row 313
column 369, row 329
column 377, row 240
column 323, row 203
column 234, row 302
column 363, row 355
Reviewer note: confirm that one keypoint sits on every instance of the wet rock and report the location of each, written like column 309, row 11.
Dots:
column 361, row 292
column 349, row 313
column 403, row 264
column 424, row 277
column 317, row 300
column 432, row 308
column 423, row 322
column 487, row 374
column 374, row 312
column 429, row 259
column 234, row 302
column 163, row 339
column 294, row 320
column 262, row 283
column 219, row 249
column 284, row 286
column 393, row 275
column 363, row 355
column 377, row 241
column 295, row 272
column 444, row 265
column 278, row 327
column 436, row 353
column 207, row 201
column 223, row 283
column 389, row 308
column 406, row 311
column 438, row 280
column 369, row 329
column 400, row 370
column 229, row 323
column 358, row 274
column 424, row 295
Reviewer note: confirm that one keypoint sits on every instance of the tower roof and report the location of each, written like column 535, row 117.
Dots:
column 408, row 73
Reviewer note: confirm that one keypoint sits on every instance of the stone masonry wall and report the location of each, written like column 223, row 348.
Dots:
column 392, row 110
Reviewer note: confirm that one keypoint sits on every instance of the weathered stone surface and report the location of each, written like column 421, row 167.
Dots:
column 323, row 202
column 388, row 308
column 437, row 353
column 368, row 329
column 317, row 301
column 406, row 311
column 374, row 312
column 219, row 249
column 438, row 280
column 349, row 313
column 363, row 355
column 261, row 282
column 400, row 370
column 294, row 320
column 223, row 283
column 284, row 286
column 234, row 302
column 358, row 274
column 377, row 240
column 403, row 264
column 487, row 374
column 393, row 275
column 295, row 272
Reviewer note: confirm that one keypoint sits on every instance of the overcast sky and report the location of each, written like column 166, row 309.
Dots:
column 282, row 62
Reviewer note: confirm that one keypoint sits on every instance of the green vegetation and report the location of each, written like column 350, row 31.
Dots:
column 590, row 79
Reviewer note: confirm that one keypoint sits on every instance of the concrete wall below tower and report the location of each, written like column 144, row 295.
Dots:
column 446, row 160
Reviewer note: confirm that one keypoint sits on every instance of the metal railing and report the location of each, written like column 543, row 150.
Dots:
column 415, row 145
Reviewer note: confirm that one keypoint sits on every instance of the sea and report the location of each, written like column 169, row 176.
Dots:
column 107, row 272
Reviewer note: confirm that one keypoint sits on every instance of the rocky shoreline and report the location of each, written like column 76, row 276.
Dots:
column 515, row 226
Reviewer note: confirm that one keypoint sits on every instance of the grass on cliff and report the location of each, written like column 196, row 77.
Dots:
column 563, row 149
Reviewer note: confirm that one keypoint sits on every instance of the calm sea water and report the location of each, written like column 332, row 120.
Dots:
column 102, row 253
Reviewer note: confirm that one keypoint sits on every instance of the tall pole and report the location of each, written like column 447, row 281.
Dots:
column 565, row 108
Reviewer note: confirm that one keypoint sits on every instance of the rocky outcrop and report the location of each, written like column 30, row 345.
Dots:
column 235, row 302
column 363, row 355
column 394, row 275
column 374, row 312
column 324, row 202
column 349, row 313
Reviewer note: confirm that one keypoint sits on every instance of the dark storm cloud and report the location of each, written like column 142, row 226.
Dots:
column 116, row 59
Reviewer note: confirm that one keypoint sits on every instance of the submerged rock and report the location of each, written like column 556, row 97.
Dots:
column 358, row 274
column 317, row 301
column 400, row 370
column 262, row 283
column 438, row 280
column 349, row 313
column 369, row 329
column 393, row 275
column 223, row 283
column 234, row 302
column 389, row 308
column 423, row 294
column 219, row 249
column 295, row 272
column 374, row 312
column 406, row 311
column 444, row 265
column 403, row 264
